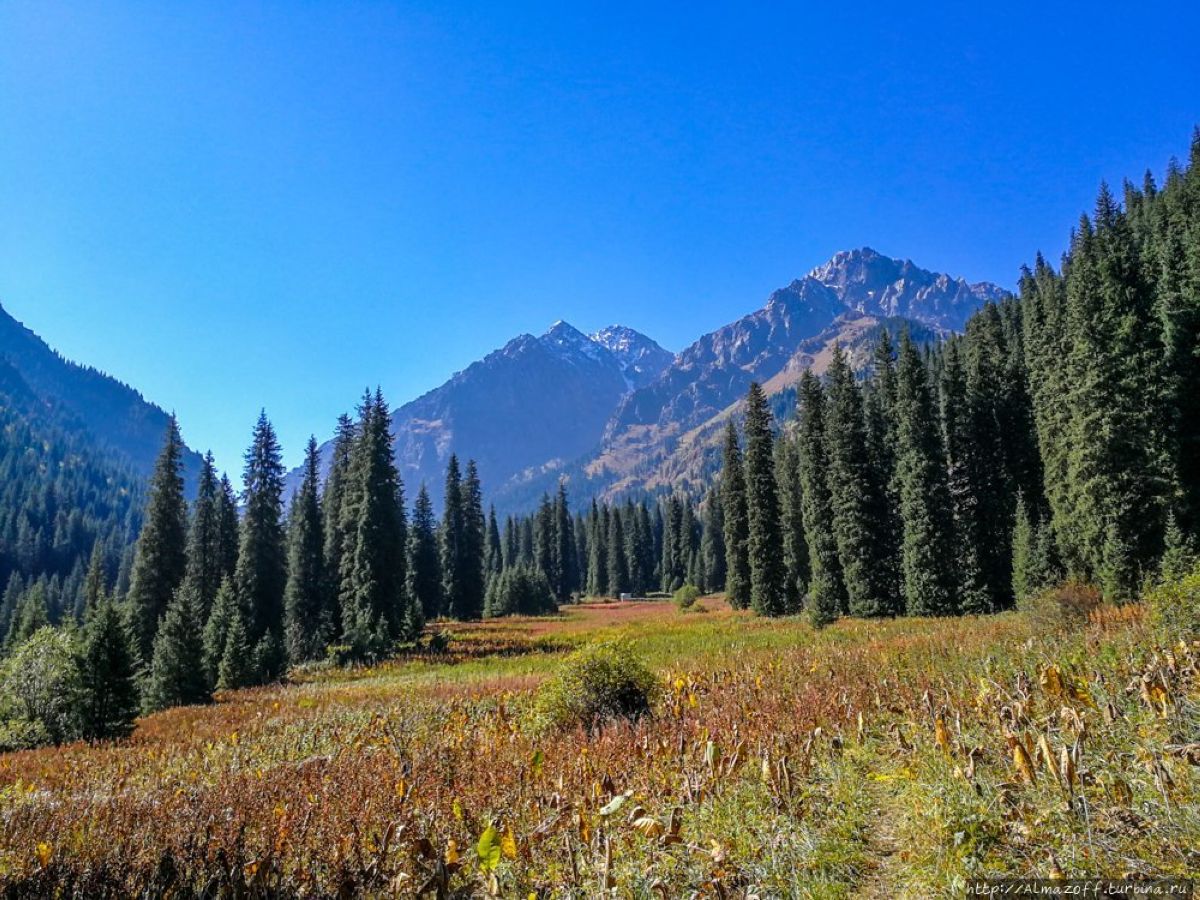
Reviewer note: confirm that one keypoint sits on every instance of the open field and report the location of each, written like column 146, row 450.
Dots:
column 877, row 758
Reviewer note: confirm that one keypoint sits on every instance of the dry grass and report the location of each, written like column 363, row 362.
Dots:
column 872, row 756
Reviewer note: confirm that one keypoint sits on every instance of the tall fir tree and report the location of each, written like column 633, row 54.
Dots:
column 858, row 492
column 566, row 566
column 768, row 595
column 161, row 557
column 928, row 547
column 736, row 520
column 261, row 574
column 374, row 600
column 964, row 468
column 712, row 543
column 791, row 503
column 618, row 564
column 826, row 598
column 108, row 670
column 334, row 518
column 205, row 562
column 176, row 674
column 424, row 558
column 307, row 616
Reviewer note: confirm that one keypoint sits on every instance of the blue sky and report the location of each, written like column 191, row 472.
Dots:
column 233, row 206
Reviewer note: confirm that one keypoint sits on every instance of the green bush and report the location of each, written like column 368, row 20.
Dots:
column 596, row 684
column 685, row 598
column 1063, row 608
column 1175, row 608
column 41, row 690
column 519, row 591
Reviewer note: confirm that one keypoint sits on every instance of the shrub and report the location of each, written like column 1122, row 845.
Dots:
column 519, row 591
column 41, row 689
column 686, row 597
column 1175, row 608
column 598, row 683
column 1063, row 608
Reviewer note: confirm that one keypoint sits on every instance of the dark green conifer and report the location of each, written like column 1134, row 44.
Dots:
column 928, row 547
column 161, row 558
column 176, row 674
column 307, row 616
column 736, row 521
column 424, row 558
column 768, row 595
column 108, row 674
column 261, row 574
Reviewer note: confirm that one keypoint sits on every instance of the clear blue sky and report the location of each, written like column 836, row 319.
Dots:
column 240, row 205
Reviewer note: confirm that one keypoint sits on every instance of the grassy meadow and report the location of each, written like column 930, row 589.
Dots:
column 873, row 758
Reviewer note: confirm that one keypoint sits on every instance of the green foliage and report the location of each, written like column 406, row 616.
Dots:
column 736, row 522
column 927, row 555
column 161, row 560
column 176, row 676
column 216, row 630
column 462, row 543
column 1179, row 553
column 108, row 691
column 375, row 604
column 424, row 559
column 858, row 497
column 261, row 573
column 307, row 618
column 768, row 595
column 685, row 598
column 40, row 690
column 601, row 682
column 826, row 589
column 1175, row 608
column 237, row 666
column 519, row 591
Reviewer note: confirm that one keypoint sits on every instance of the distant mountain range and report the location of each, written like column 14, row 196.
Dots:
column 613, row 411
column 616, row 413
column 114, row 417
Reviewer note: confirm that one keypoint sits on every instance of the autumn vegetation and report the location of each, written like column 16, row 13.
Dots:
column 769, row 759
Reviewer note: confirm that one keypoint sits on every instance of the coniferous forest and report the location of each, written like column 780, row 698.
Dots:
column 1057, row 437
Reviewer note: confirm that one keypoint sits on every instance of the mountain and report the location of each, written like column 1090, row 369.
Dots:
column 112, row 416
column 663, row 434
column 523, row 410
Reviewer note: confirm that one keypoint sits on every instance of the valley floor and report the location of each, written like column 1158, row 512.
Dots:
column 883, row 758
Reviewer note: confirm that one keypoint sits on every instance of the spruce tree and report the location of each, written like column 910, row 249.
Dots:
column 791, row 502
column 928, row 547
column 858, row 493
column 618, row 566
column 205, row 565
column 237, row 668
column 712, row 548
column 216, row 629
column 472, row 563
column 965, row 482
column 108, row 670
column 306, row 613
column 95, row 589
column 768, row 595
column 493, row 556
column 826, row 598
column 376, row 609
column 424, row 558
column 176, row 675
column 334, row 519
column 598, row 551
column 261, row 574
column 566, row 565
column 736, row 521
column 161, row 557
